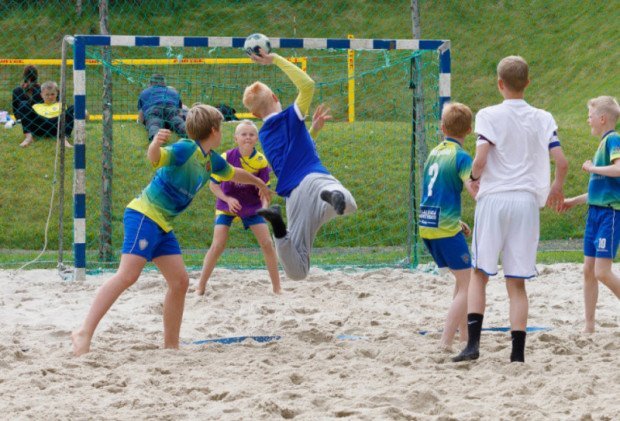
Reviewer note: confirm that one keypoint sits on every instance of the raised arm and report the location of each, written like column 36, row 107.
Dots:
column 303, row 82
column 154, row 151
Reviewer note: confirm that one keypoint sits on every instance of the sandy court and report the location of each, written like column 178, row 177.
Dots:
column 389, row 371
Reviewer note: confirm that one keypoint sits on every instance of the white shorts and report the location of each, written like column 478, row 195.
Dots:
column 506, row 223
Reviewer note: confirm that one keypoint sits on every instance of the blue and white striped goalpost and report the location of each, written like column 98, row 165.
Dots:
column 81, row 42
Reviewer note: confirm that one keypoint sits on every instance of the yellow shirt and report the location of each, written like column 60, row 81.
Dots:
column 47, row 110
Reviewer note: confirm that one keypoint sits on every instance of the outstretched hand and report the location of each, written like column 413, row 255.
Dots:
column 321, row 114
column 262, row 58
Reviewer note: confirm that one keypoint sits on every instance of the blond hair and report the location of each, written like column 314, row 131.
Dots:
column 257, row 98
column 605, row 105
column 245, row 122
column 50, row 86
column 456, row 119
column 514, row 71
column 201, row 120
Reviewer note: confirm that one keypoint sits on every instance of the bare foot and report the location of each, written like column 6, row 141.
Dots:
column 589, row 328
column 445, row 347
column 277, row 291
column 200, row 291
column 81, row 343
column 28, row 140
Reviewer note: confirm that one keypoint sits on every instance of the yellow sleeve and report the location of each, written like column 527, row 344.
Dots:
column 216, row 177
column 313, row 133
column 302, row 81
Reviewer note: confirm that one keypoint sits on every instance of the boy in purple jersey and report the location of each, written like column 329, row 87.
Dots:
column 183, row 168
column 313, row 196
column 514, row 146
column 241, row 201
column 601, row 238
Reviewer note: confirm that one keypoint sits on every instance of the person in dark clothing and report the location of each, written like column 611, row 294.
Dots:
column 26, row 95
column 160, row 107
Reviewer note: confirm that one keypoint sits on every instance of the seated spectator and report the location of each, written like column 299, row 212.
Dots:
column 26, row 94
column 41, row 120
column 160, row 107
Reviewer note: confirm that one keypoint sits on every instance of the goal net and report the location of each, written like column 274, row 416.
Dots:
column 385, row 97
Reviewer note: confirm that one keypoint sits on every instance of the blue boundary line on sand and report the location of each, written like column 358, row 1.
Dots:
column 497, row 329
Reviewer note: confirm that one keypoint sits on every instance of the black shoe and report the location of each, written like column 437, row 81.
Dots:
column 273, row 214
column 467, row 355
column 336, row 199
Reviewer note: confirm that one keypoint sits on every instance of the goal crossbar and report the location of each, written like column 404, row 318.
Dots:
column 81, row 42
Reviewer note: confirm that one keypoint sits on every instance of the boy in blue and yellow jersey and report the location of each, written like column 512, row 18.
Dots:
column 313, row 196
column 183, row 168
column 446, row 171
column 601, row 238
column 241, row 201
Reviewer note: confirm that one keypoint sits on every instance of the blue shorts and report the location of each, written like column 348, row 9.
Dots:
column 248, row 221
column 143, row 237
column 450, row 251
column 602, row 234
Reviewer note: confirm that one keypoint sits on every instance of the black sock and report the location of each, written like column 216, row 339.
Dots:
column 274, row 216
column 518, row 346
column 474, row 327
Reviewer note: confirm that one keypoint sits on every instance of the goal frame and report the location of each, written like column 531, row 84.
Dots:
column 81, row 42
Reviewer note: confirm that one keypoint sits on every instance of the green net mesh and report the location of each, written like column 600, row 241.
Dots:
column 367, row 146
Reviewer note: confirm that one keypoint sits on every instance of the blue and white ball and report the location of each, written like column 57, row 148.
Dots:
column 256, row 41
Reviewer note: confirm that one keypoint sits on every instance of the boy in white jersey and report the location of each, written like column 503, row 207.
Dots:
column 514, row 143
column 313, row 196
column 446, row 171
column 601, row 238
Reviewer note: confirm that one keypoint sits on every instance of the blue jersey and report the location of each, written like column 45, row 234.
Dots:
column 183, row 169
column 602, row 190
column 158, row 95
column 289, row 149
column 448, row 166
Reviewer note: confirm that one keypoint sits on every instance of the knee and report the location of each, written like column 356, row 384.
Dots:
column 298, row 273
column 265, row 244
column 603, row 274
column 218, row 247
column 351, row 207
column 127, row 279
column 181, row 284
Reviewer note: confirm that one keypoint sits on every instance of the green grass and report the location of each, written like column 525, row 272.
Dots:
column 571, row 48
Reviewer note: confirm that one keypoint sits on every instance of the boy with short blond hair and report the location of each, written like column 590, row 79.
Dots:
column 515, row 142
column 182, row 169
column 446, row 171
column 601, row 238
column 313, row 196
column 240, row 202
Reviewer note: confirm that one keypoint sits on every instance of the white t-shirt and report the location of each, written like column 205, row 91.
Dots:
column 518, row 160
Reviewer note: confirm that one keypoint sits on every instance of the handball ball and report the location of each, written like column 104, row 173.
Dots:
column 256, row 41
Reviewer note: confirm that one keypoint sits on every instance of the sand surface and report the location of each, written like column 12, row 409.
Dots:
column 385, row 370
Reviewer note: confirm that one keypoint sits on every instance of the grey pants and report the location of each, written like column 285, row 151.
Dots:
column 164, row 117
column 306, row 212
